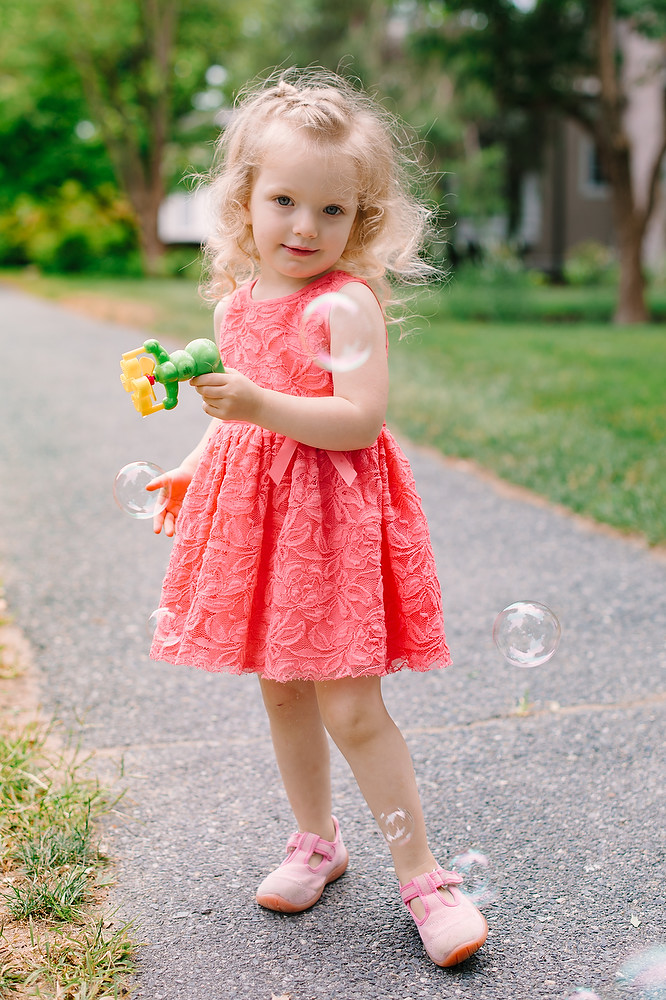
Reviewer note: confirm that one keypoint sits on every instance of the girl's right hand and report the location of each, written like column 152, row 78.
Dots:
column 176, row 482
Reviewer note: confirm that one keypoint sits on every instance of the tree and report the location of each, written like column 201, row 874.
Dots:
column 139, row 62
column 135, row 64
column 572, row 58
column 620, row 84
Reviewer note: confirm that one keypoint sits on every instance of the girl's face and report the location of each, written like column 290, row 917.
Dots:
column 302, row 209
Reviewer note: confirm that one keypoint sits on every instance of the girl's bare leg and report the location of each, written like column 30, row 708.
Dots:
column 302, row 752
column 354, row 714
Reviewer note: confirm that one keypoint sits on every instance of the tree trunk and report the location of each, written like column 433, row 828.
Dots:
column 631, row 306
column 616, row 154
column 146, row 204
column 630, row 223
column 144, row 184
column 132, row 108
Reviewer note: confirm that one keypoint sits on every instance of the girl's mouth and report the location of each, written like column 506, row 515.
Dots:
column 298, row 251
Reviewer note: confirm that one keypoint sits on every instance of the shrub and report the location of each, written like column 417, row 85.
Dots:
column 73, row 230
column 590, row 263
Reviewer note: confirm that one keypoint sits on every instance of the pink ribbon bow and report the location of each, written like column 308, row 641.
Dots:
column 285, row 454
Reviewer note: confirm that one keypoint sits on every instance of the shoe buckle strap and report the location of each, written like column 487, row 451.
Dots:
column 443, row 878
column 429, row 882
column 309, row 844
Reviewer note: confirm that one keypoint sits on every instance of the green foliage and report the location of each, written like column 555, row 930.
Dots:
column 648, row 16
column 527, row 59
column 590, row 263
column 129, row 72
column 478, row 184
column 72, row 230
column 41, row 104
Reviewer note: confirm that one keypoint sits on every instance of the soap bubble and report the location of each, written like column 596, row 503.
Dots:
column 350, row 348
column 527, row 634
column 131, row 495
column 646, row 972
column 397, row 826
column 162, row 627
column 473, row 866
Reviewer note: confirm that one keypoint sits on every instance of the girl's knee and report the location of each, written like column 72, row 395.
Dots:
column 283, row 696
column 352, row 711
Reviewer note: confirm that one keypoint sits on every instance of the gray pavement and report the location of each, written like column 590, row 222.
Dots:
column 566, row 802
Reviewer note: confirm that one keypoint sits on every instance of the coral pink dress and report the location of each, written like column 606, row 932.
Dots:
column 291, row 561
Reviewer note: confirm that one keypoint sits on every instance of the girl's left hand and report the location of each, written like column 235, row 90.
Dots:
column 229, row 396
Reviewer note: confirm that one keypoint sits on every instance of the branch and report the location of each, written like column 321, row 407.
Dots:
column 159, row 20
column 610, row 98
column 653, row 184
column 605, row 25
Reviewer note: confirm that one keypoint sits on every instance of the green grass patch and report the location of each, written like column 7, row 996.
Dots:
column 53, row 940
column 516, row 295
column 574, row 412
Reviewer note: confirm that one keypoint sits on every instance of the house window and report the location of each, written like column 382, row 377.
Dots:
column 593, row 182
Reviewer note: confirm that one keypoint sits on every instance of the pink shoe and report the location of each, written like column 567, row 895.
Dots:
column 296, row 885
column 451, row 928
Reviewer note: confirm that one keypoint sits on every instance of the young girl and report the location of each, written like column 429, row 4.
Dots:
column 302, row 552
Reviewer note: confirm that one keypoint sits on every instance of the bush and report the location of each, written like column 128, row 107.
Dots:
column 590, row 263
column 75, row 230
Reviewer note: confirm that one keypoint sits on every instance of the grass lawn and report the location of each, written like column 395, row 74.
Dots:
column 574, row 410
column 58, row 938
column 517, row 299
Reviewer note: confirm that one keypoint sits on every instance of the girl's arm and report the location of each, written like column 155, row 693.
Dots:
column 349, row 419
column 176, row 482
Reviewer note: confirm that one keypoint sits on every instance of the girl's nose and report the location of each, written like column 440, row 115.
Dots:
column 304, row 225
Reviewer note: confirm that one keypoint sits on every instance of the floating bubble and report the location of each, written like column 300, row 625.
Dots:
column 345, row 351
column 646, row 972
column 527, row 634
column 397, row 827
column 162, row 627
column 131, row 495
column 473, row 866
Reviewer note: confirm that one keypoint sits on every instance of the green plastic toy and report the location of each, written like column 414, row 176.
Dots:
column 139, row 372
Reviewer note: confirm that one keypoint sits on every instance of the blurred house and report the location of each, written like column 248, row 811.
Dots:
column 569, row 201
column 185, row 218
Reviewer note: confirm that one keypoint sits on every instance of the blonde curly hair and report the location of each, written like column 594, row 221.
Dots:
column 391, row 224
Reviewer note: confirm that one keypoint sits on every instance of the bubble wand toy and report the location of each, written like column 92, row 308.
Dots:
column 138, row 372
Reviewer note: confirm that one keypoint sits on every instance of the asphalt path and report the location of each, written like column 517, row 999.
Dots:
column 555, row 774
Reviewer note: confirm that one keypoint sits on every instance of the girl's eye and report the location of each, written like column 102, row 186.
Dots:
column 332, row 210
column 283, row 199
